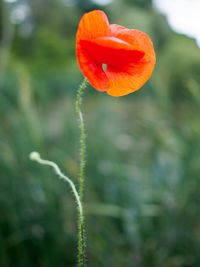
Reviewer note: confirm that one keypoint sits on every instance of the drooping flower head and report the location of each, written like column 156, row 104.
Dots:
column 113, row 58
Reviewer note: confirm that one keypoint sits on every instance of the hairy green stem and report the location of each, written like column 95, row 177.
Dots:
column 82, row 167
column 80, row 115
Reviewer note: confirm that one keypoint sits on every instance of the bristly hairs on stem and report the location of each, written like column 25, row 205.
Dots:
column 82, row 140
column 81, row 256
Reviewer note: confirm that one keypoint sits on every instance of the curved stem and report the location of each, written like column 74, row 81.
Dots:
column 35, row 156
column 82, row 167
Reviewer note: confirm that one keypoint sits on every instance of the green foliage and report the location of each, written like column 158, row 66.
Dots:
column 143, row 150
column 181, row 56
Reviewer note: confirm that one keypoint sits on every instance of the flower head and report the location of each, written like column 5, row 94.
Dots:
column 128, row 55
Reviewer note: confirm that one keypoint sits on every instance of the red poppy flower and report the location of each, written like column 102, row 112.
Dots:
column 128, row 55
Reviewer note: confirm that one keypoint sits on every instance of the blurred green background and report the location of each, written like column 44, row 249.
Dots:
column 142, row 191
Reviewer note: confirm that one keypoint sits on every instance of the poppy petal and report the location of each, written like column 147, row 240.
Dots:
column 138, row 39
column 92, row 25
column 92, row 70
column 111, row 51
column 130, row 80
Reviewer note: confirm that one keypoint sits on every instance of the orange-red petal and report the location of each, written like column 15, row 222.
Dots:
column 92, row 70
column 125, row 82
column 128, row 54
column 137, row 39
column 92, row 25
column 111, row 51
column 134, row 75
